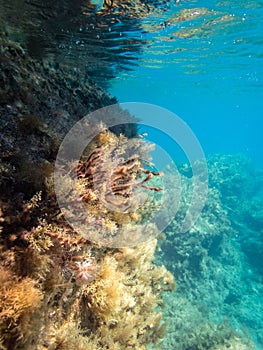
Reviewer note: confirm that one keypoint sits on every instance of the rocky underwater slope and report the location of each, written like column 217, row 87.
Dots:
column 217, row 264
column 58, row 290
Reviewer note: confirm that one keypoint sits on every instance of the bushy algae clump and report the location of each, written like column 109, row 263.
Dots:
column 112, row 182
column 54, row 281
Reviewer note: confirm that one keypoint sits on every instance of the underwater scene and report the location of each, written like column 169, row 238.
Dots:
column 131, row 175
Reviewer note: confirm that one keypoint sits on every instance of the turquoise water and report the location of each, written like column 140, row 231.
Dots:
column 212, row 77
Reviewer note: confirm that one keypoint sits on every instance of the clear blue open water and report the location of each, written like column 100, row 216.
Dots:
column 207, row 67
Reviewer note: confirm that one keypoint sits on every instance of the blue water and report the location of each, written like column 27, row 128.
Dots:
column 212, row 79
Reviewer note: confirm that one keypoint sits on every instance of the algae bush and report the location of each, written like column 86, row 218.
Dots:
column 58, row 290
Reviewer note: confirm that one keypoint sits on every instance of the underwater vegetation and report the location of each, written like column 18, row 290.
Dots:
column 111, row 180
column 58, row 290
column 217, row 266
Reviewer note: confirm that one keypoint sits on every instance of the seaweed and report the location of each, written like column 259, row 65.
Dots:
column 59, row 290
